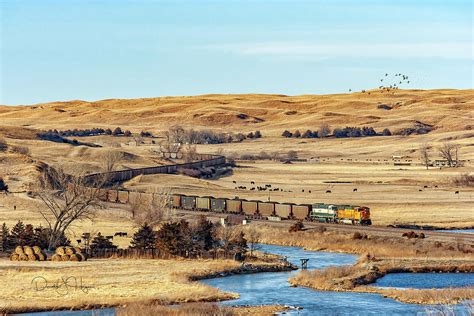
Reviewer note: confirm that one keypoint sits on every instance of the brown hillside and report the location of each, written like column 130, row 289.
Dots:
column 446, row 110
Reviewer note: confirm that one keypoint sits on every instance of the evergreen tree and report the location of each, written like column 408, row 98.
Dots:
column 167, row 238
column 5, row 239
column 286, row 134
column 3, row 186
column 258, row 134
column 100, row 242
column 144, row 238
column 205, row 233
column 29, row 235
column 18, row 234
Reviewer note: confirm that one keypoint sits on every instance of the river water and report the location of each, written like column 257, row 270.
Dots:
column 273, row 288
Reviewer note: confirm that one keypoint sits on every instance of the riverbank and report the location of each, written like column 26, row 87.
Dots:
column 198, row 309
column 358, row 277
column 379, row 246
column 99, row 283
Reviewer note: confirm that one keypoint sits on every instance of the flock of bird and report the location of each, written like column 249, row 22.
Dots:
column 389, row 83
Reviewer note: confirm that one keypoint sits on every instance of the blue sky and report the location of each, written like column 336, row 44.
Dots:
column 91, row 50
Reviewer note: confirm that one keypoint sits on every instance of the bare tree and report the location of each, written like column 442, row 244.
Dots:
column 450, row 152
column 66, row 199
column 175, row 134
column 226, row 235
column 253, row 239
column 152, row 208
column 425, row 155
column 168, row 147
column 189, row 153
column 324, row 130
column 138, row 139
column 110, row 160
column 292, row 155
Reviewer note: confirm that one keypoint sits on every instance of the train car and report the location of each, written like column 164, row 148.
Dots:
column 188, row 202
column 218, row 205
column 176, row 200
column 249, row 207
column 203, row 203
column 233, row 206
column 112, row 196
column 355, row 215
column 301, row 211
column 326, row 213
column 123, row 196
column 266, row 209
column 283, row 210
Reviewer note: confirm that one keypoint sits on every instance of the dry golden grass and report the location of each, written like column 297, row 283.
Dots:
column 376, row 246
column 97, row 283
column 434, row 107
column 197, row 309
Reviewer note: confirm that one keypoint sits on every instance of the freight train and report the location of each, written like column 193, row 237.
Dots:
column 319, row 212
column 327, row 213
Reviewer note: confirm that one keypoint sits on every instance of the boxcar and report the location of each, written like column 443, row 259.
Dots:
column 112, row 196
column 283, row 210
column 300, row 211
column 218, row 205
column 203, row 203
column 266, row 208
column 233, row 206
column 188, row 202
column 250, row 207
column 123, row 196
column 176, row 200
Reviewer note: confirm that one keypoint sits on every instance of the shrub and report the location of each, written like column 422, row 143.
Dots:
column 100, row 242
column 22, row 150
column 3, row 145
column 258, row 134
column 296, row 227
column 3, row 185
column 386, row 132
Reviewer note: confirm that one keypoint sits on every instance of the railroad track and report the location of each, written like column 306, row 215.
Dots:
column 464, row 238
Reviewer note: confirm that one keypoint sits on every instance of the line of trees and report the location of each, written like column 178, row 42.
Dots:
column 181, row 238
column 325, row 131
column 27, row 235
column 179, row 135
column 94, row 132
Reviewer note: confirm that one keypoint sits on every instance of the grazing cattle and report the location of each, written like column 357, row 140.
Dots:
column 420, row 190
column 234, row 181
column 302, row 190
column 328, row 191
column 354, row 190
column 235, row 188
column 309, row 191
column 268, row 185
column 252, row 182
column 436, row 186
column 252, row 189
column 78, row 241
column 457, row 192
column 121, row 234
column 109, row 237
column 426, row 187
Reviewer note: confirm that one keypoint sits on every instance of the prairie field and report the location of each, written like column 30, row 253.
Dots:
column 402, row 194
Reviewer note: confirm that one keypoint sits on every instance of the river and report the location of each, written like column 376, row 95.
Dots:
column 273, row 288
